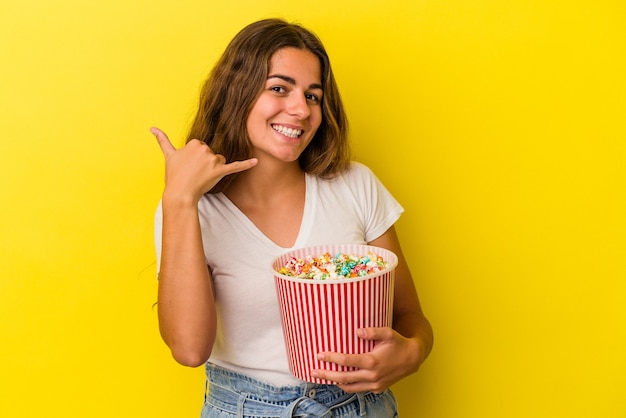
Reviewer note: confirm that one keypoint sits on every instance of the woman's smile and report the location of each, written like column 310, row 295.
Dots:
column 288, row 132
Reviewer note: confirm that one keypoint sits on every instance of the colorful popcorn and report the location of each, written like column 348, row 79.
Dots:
column 327, row 267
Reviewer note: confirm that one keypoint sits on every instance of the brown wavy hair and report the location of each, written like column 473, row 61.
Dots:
column 238, row 79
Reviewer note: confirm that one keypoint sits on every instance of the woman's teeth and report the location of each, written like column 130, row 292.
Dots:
column 291, row 133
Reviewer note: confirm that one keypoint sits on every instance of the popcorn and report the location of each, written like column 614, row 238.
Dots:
column 327, row 267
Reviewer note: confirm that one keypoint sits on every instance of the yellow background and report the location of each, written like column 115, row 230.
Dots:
column 499, row 125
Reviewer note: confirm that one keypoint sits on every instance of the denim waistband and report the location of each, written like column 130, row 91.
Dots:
column 241, row 395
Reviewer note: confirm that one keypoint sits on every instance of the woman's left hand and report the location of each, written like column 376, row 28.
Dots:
column 393, row 358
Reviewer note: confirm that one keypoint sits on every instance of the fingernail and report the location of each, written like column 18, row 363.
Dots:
column 320, row 356
column 361, row 332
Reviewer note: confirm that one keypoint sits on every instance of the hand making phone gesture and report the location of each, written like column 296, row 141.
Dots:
column 193, row 170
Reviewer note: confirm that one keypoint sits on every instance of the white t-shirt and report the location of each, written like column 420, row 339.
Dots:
column 353, row 207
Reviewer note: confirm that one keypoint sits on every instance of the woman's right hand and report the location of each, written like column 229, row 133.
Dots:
column 193, row 170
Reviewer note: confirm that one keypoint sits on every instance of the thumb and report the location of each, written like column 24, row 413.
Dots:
column 164, row 142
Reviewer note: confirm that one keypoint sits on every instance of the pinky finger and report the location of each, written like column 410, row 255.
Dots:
column 238, row 166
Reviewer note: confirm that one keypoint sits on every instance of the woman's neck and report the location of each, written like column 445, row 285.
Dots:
column 266, row 182
column 273, row 200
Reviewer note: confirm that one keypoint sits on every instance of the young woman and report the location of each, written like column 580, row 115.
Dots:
column 266, row 168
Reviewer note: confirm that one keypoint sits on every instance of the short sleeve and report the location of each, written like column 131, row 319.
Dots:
column 380, row 209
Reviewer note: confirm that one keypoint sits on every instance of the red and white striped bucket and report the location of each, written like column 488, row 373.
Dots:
column 323, row 315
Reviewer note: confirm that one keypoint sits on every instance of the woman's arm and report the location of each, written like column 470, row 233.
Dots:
column 187, row 318
column 186, row 301
column 400, row 350
column 408, row 318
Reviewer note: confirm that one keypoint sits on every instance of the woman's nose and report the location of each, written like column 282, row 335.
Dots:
column 298, row 106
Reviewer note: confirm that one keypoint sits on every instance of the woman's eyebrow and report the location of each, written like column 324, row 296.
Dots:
column 292, row 81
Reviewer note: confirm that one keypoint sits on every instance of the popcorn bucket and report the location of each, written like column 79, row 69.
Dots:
column 323, row 315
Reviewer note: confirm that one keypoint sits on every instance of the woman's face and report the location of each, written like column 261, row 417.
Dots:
column 288, row 111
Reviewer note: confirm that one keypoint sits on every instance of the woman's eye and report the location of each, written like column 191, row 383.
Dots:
column 278, row 89
column 312, row 97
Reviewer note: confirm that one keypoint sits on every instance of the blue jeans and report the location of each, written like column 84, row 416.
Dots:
column 233, row 395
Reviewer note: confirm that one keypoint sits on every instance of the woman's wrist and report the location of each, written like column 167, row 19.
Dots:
column 172, row 199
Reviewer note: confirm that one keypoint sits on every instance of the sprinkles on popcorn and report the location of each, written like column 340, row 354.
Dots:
column 327, row 267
